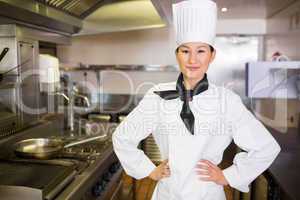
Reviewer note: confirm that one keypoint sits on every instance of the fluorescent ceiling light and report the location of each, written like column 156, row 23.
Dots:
column 224, row 9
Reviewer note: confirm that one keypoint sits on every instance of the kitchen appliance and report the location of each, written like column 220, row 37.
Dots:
column 16, row 174
column 8, row 114
column 21, row 102
column 46, row 148
column 88, row 171
column 44, row 14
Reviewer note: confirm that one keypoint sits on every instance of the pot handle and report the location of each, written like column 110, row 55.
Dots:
column 85, row 141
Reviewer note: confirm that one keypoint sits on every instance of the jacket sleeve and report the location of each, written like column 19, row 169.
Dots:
column 259, row 147
column 140, row 123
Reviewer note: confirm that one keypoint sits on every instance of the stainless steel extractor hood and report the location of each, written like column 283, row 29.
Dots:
column 85, row 16
column 77, row 8
column 126, row 15
column 61, row 15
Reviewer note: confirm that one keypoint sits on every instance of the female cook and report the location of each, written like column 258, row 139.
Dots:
column 193, row 122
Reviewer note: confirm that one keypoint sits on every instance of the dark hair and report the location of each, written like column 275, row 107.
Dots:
column 211, row 49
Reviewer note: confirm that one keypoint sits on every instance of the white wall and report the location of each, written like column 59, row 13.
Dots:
column 288, row 44
column 242, row 26
column 152, row 46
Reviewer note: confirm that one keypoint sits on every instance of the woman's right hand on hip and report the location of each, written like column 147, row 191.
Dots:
column 161, row 171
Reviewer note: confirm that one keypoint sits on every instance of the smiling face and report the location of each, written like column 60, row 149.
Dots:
column 193, row 59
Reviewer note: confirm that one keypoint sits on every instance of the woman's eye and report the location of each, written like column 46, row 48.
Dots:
column 201, row 51
column 185, row 51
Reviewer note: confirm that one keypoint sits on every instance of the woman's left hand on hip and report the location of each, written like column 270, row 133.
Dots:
column 208, row 171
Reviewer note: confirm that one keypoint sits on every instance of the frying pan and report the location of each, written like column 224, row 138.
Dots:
column 46, row 148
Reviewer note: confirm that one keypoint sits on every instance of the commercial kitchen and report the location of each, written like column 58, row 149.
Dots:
column 72, row 70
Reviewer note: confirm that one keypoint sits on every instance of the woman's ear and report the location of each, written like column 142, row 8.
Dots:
column 213, row 55
column 176, row 54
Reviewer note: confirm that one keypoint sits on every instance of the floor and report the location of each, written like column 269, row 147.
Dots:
column 145, row 187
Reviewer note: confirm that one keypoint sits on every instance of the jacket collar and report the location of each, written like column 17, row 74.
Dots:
column 185, row 95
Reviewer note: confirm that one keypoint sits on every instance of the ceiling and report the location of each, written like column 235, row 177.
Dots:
column 257, row 9
column 252, row 8
column 123, row 15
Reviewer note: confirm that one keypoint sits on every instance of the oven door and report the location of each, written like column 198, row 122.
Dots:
column 28, row 178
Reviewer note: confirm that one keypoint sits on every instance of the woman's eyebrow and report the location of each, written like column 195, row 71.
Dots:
column 201, row 46
column 184, row 46
column 197, row 47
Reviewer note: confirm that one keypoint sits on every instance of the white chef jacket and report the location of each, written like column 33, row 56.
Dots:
column 220, row 117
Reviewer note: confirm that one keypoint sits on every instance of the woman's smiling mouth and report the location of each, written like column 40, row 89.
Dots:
column 191, row 68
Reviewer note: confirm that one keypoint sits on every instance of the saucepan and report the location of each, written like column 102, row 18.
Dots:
column 47, row 148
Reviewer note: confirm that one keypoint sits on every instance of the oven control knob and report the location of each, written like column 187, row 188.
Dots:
column 104, row 183
column 97, row 190
column 107, row 176
column 114, row 168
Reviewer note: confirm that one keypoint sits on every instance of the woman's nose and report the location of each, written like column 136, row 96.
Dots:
column 192, row 58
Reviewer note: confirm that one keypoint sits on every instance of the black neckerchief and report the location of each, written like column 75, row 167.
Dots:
column 185, row 95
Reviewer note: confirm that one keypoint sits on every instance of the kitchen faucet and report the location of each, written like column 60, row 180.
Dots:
column 63, row 95
column 71, row 113
column 71, row 102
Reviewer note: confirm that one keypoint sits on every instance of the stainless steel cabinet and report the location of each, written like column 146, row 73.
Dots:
column 29, row 83
column 20, row 89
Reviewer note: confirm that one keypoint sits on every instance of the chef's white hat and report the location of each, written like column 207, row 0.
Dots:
column 195, row 21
